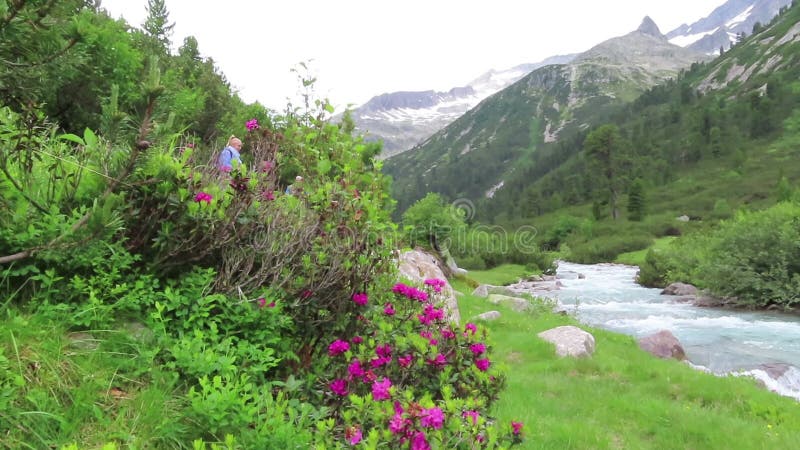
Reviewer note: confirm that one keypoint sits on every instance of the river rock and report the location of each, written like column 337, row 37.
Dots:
column 707, row 301
column 486, row 290
column 679, row 289
column 570, row 341
column 418, row 266
column 774, row 370
column 488, row 316
column 516, row 303
column 664, row 345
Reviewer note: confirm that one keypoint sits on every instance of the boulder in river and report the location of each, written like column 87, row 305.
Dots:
column 679, row 289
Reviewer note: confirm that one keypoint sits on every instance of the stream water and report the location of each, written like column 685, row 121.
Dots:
column 719, row 340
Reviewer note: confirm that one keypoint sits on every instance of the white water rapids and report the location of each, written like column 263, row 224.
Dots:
column 719, row 340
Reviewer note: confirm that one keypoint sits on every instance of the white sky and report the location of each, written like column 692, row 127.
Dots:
column 361, row 48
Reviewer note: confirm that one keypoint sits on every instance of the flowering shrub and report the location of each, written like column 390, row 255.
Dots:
column 416, row 381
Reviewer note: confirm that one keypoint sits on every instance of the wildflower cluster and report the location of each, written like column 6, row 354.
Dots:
column 203, row 197
column 251, row 124
column 414, row 379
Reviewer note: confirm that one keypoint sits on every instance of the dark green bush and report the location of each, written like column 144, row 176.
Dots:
column 756, row 258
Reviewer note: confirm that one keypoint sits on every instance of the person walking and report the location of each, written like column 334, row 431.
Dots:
column 230, row 155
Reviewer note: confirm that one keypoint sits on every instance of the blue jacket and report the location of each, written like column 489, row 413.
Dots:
column 228, row 156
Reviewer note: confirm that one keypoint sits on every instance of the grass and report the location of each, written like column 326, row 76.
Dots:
column 622, row 397
column 636, row 258
column 56, row 390
column 501, row 275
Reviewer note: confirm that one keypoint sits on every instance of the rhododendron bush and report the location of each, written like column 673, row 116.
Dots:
column 408, row 377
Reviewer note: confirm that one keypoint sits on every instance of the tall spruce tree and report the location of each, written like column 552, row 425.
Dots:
column 157, row 25
column 636, row 201
column 604, row 148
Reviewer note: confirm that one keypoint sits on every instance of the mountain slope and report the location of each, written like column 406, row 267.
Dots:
column 721, row 28
column 472, row 156
column 403, row 119
column 727, row 130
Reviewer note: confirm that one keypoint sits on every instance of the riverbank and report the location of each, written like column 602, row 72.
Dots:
column 623, row 397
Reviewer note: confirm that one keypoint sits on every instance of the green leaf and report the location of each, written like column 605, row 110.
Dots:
column 90, row 138
column 324, row 166
column 72, row 138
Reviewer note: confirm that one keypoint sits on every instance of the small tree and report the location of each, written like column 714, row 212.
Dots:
column 604, row 148
column 430, row 221
column 157, row 25
column 636, row 201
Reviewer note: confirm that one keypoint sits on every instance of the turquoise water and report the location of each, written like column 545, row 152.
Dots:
column 719, row 340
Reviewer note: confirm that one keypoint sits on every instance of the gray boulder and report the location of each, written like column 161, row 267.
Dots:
column 570, row 341
column 679, row 289
column 486, row 290
column 516, row 303
column 664, row 345
column 488, row 316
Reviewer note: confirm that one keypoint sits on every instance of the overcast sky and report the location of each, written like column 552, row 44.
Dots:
column 361, row 48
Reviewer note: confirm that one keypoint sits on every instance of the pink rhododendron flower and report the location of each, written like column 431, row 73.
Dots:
column 190, row 144
column 516, row 427
column 447, row 333
column 355, row 369
column 381, row 361
column 268, row 195
column 436, row 283
column 397, row 423
column 262, row 302
column 418, row 442
column 357, row 340
column 383, row 351
column 471, row 415
column 410, row 292
column 225, row 169
column 353, row 435
column 482, row 364
column 339, row 387
column 388, row 309
column 471, row 328
column 251, row 124
column 271, row 304
column 307, row 293
column 438, row 361
column 405, row 361
column 338, row 347
column 380, row 389
column 203, row 197
column 477, row 349
column 432, row 418
column 426, row 334
column 360, row 298
column 434, row 342
column 369, row 376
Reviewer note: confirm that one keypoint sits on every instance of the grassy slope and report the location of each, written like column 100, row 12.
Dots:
column 622, row 397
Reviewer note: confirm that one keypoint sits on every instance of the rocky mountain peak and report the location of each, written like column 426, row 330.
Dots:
column 650, row 28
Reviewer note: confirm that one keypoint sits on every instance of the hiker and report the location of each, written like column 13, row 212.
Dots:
column 230, row 154
column 296, row 187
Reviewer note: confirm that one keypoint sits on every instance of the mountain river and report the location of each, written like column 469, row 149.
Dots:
column 719, row 340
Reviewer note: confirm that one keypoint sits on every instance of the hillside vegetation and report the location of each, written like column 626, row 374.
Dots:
column 686, row 154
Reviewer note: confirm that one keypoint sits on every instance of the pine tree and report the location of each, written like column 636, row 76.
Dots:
column 636, row 201
column 157, row 24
